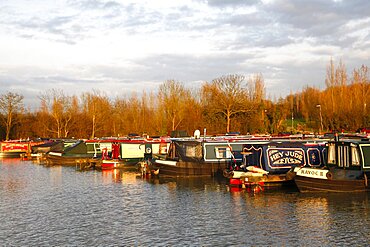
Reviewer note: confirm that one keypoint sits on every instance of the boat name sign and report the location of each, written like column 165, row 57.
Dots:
column 311, row 173
column 285, row 157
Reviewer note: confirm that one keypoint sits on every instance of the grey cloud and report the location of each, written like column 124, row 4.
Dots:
column 319, row 18
column 233, row 3
column 272, row 26
column 62, row 28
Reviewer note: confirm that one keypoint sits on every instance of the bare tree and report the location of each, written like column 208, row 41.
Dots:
column 10, row 105
column 173, row 97
column 98, row 110
column 227, row 96
column 60, row 107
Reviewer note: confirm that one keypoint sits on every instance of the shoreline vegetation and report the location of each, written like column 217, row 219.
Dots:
column 230, row 103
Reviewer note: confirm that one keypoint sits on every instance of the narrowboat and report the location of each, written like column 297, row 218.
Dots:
column 108, row 153
column 15, row 148
column 347, row 169
column 51, row 145
column 70, row 155
column 200, row 156
column 128, row 153
column 39, row 151
column 268, row 164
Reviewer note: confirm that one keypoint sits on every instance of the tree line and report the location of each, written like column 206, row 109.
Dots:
column 230, row 103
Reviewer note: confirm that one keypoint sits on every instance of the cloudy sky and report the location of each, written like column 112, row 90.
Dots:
column 125, row 46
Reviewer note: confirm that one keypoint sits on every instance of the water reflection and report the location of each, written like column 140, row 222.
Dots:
column 61, row 206
column 10, row 179
column 190, row 183
column 120, row 176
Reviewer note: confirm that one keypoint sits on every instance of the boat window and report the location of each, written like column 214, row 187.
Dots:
column 172, row 151
column 343, row 156
column 193, row 151
column 365, row 149
column 346, row 156
column 355, row 156
column 331, row 154
column 314, row 157
column 190, row 151
column 340, row 156
column 223, row 152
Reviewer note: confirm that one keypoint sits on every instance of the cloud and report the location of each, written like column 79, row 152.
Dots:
column 133, row 46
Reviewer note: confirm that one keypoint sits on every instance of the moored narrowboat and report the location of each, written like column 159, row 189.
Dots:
column 108, row 153
column 267, row 164
column 70, row 155
column 200, row 156
column 347, row 169
column 15, row 148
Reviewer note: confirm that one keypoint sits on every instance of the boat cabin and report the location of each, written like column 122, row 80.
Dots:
column 208, row 151
column 349, row 154
column 124, row 149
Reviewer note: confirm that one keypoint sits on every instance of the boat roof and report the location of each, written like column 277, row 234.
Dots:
column 352, row 140
column 128, row 140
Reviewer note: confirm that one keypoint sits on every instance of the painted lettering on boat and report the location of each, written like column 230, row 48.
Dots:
column 286, row 157
column 313, row 173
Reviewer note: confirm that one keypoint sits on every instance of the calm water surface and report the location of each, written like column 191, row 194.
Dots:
column 58, row 206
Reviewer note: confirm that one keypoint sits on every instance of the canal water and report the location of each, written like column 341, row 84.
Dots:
column 59, row 206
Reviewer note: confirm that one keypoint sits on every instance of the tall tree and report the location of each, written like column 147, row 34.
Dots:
column 173, row 98
column 10, row 105
column 60, row 107
column 226, row 95
column 361, row 85
column 98, row 110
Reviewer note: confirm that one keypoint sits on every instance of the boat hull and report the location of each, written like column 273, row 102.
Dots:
column 108, row 165
column 186, row 169
column 116, row 164
column 68, row 160
column 11, row 154
column 307, row 184
column 266, row 180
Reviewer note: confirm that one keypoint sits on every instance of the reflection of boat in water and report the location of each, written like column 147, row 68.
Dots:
column 267, row 164
column 193, row 183
column 120, row 176
column 9, row 160
column 347, row 169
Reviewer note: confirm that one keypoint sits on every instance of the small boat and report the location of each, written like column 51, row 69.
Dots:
column 110, row 159
column 347, row 169
column 110, row 164
column 267, row 164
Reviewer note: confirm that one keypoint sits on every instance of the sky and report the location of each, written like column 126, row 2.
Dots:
column 126, row 47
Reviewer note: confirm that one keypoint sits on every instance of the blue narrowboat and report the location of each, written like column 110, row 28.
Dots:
column 268, row 164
